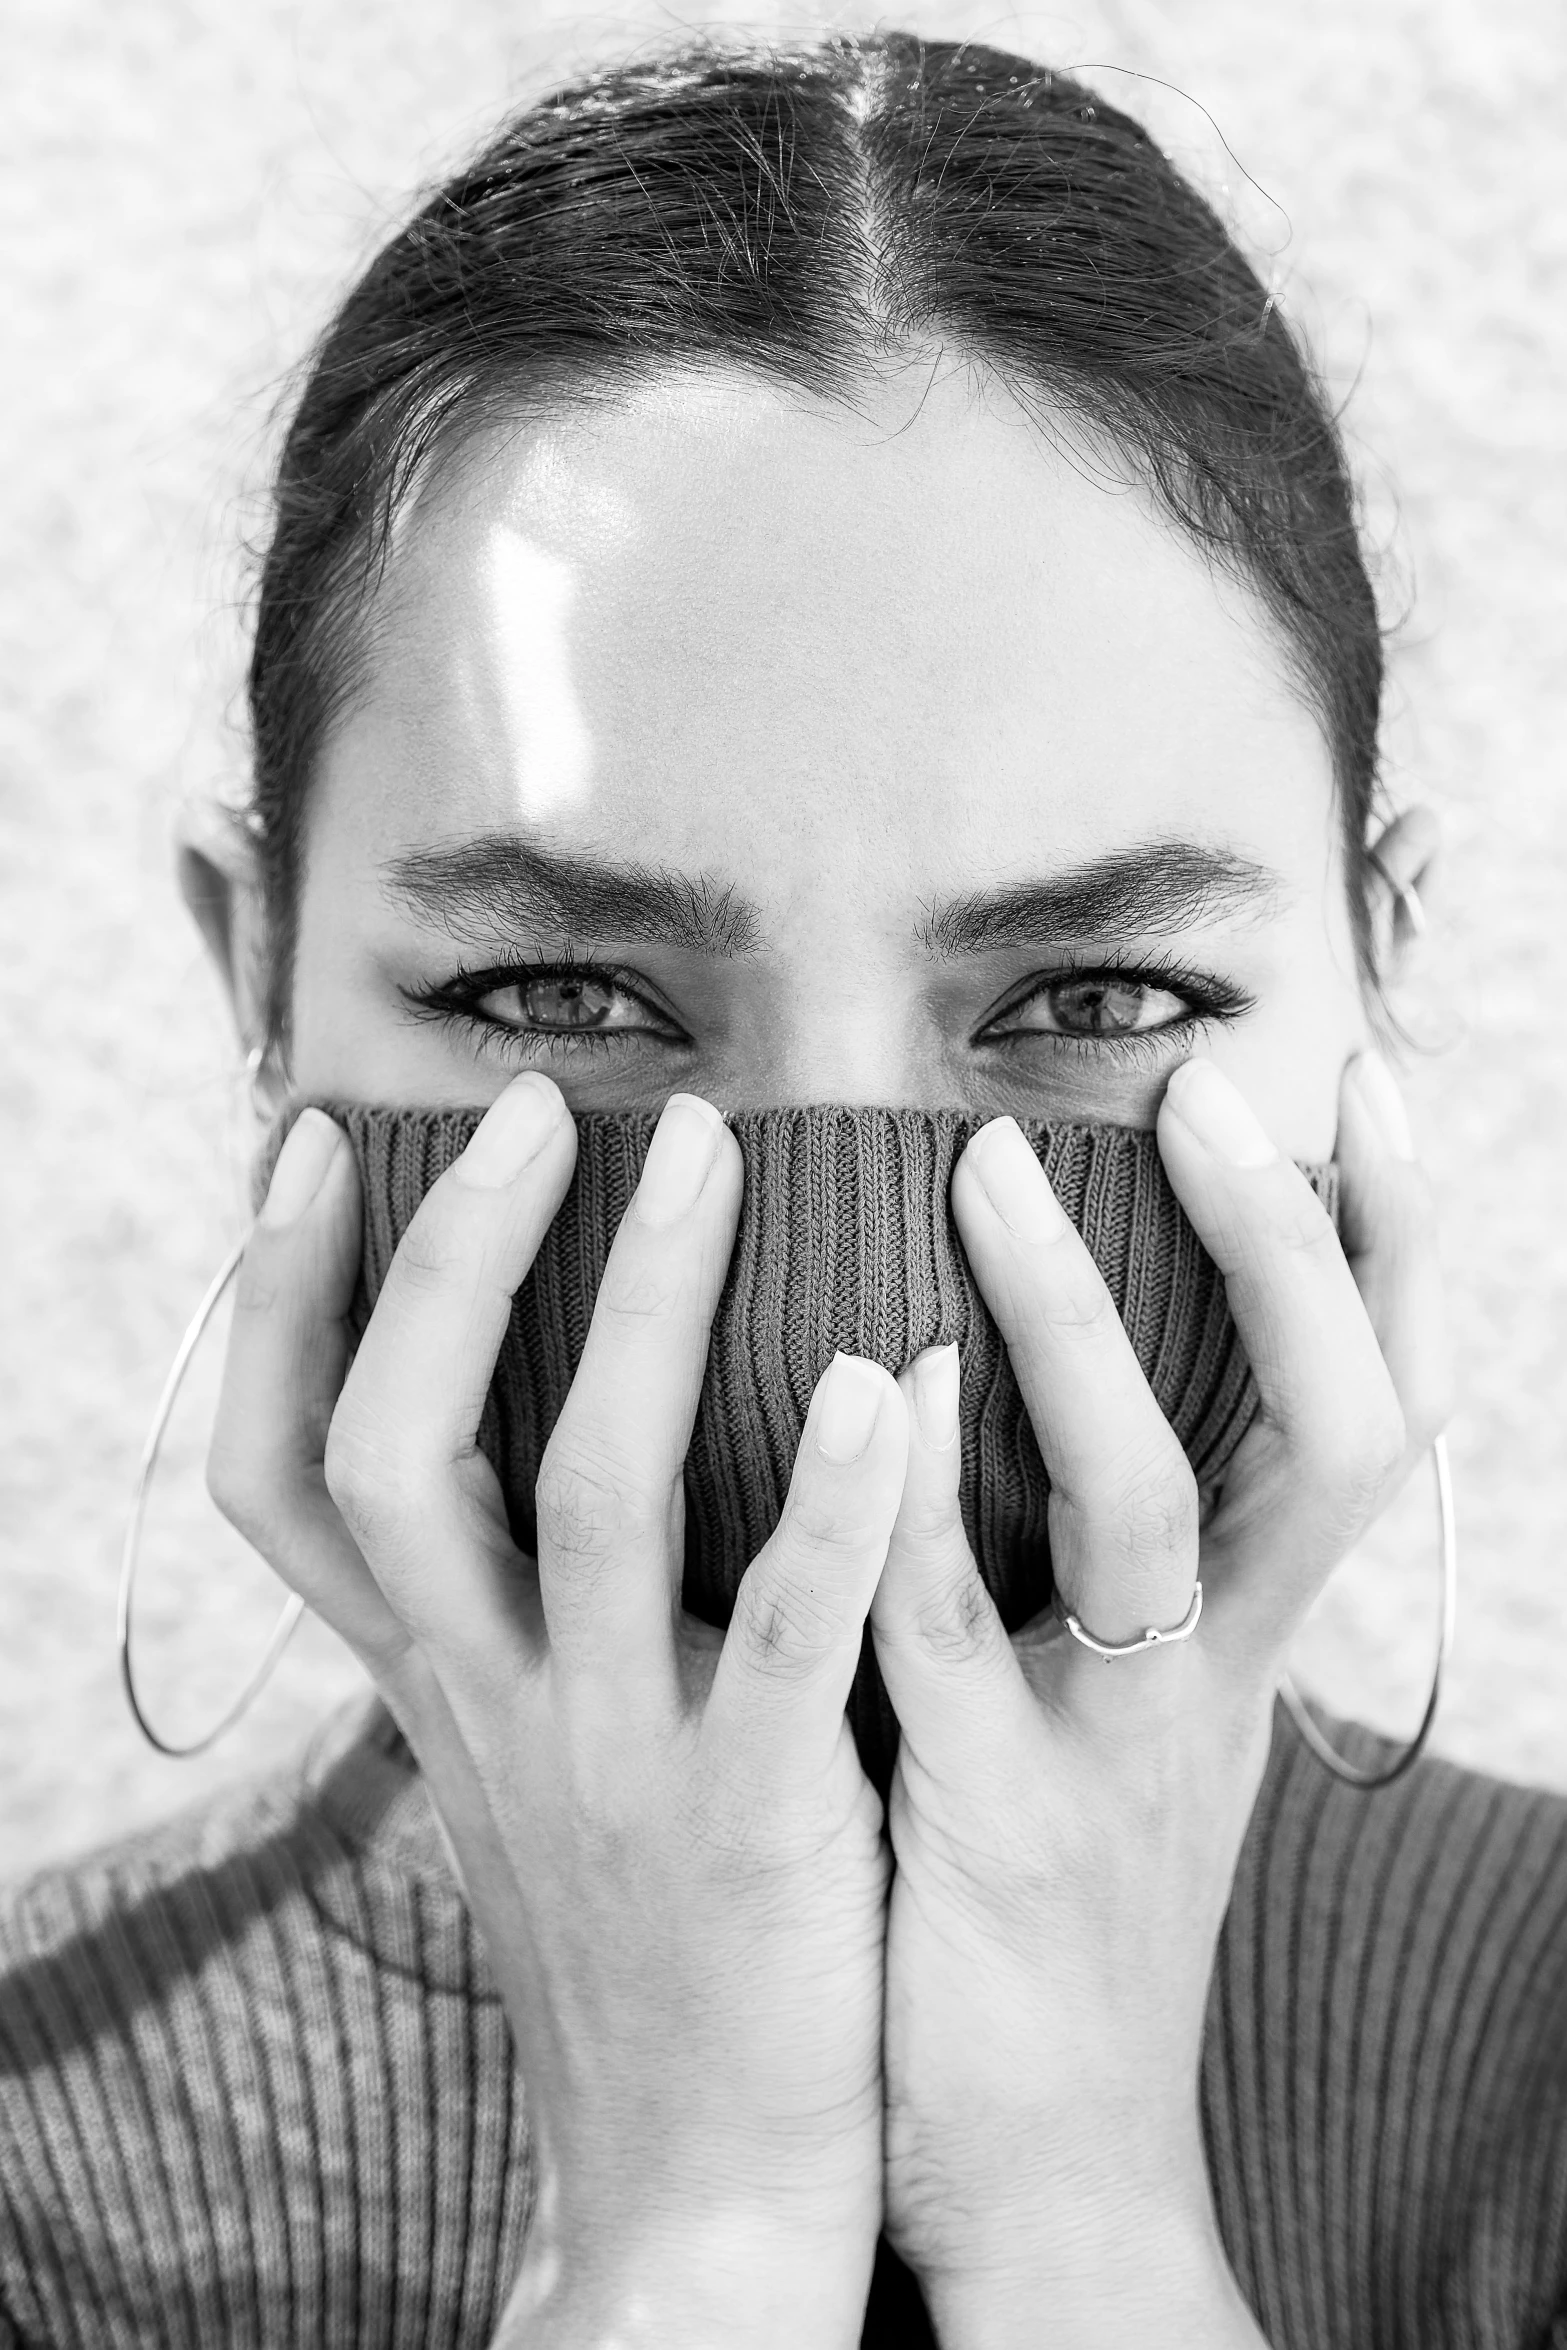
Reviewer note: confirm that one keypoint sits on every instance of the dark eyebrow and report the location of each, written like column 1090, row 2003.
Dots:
column 1158, row 887
column 497, row 884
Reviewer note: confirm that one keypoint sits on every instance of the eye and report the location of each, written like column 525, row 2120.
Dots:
column 547, row 1006
column 567, row 1003
column 1096, row 1003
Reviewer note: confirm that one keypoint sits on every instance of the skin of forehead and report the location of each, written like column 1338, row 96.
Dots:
column 853, row 661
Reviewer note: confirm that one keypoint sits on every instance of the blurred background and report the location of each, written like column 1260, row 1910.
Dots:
column 189, row 185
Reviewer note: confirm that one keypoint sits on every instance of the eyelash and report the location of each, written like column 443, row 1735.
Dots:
column 453, row 1005
column 1212, row 1001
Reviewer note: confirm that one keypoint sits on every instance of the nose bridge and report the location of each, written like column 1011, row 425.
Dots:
column 842, row 1017
column 843, row 1003
column 869, row 1058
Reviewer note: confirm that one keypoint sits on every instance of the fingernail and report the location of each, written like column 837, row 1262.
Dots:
column 847, row 1403
column 935, row 1384
column 302, row 1163
column 1014, row 1182
column 1378, row 1089
column 679, row 1160
column 1218, row 1115
column 513, row 1130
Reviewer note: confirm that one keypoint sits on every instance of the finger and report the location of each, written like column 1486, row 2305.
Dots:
column 1387, row 1224
column 402, row 1462
column 1329, row 1434
column 789, row 1656
column 1123, row 1503
column 288, row 1350
column 950, row 1670
column 611, row 1495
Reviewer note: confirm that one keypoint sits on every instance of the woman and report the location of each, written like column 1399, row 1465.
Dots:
column 814, row 646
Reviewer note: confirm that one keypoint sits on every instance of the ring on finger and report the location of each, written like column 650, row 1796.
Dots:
column 1154, row 1637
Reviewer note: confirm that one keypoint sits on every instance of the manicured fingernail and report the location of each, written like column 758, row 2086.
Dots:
column 1014, row 1182
column 935, row 1385
column 302, row 1163
column 1218, row 1115
column 513, row 1130
column 1378, row 1089
column 847, row 1403
column 679, row 1160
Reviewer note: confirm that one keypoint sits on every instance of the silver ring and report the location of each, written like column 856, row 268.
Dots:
column 1154, row 1637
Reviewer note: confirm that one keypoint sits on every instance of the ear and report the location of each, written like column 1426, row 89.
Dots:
column 219, row 879
column 1406, row 854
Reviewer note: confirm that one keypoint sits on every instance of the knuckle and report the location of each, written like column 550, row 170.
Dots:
column 954, row 1621
column 1156, row 1513
column 366, row 1475
column 257, row 1288
column 584, row 1510
column 1145, row 1537
column 427, row 1257
column 784, row 1628
column 638, row 1296
column 1379, row 1444
column 1351, row 1465
column 814, row 1527
column 1080, row 1305
column 1302, row 1223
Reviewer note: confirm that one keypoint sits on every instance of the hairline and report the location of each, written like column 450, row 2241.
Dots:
column 491, row 413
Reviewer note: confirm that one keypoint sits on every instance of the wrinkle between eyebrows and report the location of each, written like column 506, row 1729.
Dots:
column 1153, row 889
column 499, row 883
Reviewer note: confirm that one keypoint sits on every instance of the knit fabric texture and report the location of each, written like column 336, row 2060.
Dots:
column 846, row 1240
column 257, row 2090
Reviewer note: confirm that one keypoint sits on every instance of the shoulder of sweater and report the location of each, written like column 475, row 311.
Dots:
column 1439, row 1897
column 353, row 1795
column 1436, row 1793
column 1385, row 2069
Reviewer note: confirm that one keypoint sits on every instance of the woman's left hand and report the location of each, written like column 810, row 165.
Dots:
column 1066, row 1830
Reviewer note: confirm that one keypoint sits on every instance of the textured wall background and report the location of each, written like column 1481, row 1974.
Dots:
column 190, row 184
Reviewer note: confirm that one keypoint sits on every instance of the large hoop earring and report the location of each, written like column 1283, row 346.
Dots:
column 1352, row 1774
column 294, row 1606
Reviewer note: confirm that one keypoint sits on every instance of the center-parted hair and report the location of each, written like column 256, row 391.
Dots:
column 814, row 214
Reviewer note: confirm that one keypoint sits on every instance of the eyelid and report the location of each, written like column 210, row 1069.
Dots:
column 460, row 995
column 1209, row 995
column 1024, row 1018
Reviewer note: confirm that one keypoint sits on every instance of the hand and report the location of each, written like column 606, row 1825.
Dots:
column 1066, row 1830
column 665, row 1836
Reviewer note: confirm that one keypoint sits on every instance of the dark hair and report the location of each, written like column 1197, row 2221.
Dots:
column 809, row 213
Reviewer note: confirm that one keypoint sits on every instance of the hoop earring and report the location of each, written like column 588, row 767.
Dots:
column 1352, row 1774
column 294, row 1606
column 1405, row 894
column 255, row 1062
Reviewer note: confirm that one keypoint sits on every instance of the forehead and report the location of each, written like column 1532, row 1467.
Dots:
column 723, row 626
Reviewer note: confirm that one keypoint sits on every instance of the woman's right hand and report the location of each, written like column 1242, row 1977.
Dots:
column 665, row 1837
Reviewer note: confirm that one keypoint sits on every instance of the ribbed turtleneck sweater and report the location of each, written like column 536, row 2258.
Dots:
column 257, row 2090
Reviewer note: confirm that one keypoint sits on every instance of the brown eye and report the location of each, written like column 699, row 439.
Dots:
column 1099, row 1004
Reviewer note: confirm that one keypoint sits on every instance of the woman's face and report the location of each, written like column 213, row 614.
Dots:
column 723, row 740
